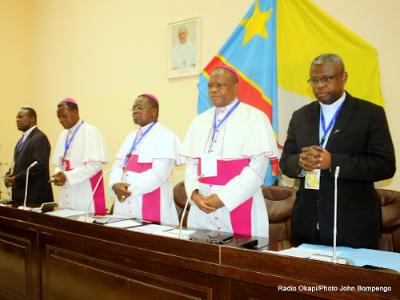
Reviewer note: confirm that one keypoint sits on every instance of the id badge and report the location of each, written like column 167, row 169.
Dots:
column 312, row 179
column 209, row 165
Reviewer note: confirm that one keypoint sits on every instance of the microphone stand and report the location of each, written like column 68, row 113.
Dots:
column 26, row 183
column 334, row 257
column 182, row 217
column 94, row 192
column 328, row 258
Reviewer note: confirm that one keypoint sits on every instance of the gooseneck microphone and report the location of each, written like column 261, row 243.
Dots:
column 94, row 192
column 334, row 257
column 183, row 216
column 26, row 182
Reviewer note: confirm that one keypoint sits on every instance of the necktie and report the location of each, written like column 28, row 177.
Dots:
column 20, row 143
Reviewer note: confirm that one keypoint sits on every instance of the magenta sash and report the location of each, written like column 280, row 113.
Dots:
column 226, row 170
column 151, row 205
column 99, row 197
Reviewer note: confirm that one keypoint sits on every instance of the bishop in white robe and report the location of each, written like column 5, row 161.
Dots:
column 228, row 149
column 78, row 158
column 144, row 162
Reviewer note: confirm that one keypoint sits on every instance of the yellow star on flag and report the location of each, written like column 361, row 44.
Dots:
column 256, row 24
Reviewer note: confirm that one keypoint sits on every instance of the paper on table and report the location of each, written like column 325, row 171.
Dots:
column 65, row 213
column 151, row 228
column 298, row 252
column 123, row 224
column 174, row 233
column 361, row 256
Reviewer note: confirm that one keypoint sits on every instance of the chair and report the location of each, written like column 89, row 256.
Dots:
column 279, row 201
column 390, row 208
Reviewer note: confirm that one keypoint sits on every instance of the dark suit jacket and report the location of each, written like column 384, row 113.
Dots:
column 361, row 145
column 36, row 147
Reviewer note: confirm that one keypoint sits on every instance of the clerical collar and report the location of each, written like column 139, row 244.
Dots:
column 26, row 133
column 230, row 105
column 143, row 128
column 70, row 130
column 333, row 106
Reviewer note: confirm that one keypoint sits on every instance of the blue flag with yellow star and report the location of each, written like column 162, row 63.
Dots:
column 251, row 51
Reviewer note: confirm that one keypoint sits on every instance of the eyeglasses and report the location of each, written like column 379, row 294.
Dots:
column 323, row 80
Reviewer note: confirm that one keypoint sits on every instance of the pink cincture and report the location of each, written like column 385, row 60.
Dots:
column 151, row 206
column 226, row 170
column 99, row 197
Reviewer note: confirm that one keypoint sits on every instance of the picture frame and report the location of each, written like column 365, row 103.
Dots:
column 184, row 48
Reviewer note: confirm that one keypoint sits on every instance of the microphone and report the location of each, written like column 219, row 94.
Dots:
column 26, row 184
column 93, row 193
column 334, row 258
column 182, row 217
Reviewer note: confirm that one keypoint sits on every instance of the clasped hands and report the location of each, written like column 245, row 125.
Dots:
column 314, row 157
column 59, row 179
column 121, row 191
column 9, row 181
column 207, row 204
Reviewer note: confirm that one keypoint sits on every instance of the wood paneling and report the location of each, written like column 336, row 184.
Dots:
column 44, row 257
column 19, row 274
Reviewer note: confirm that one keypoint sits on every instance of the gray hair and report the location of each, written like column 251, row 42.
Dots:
column 328, row 58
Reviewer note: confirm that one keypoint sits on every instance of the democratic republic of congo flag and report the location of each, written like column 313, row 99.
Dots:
column 272, row 48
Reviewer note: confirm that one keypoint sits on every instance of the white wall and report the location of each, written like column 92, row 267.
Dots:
column 104, row 53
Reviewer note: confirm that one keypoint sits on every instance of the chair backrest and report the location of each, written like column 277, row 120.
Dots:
column 279, row 201
column 390, row 208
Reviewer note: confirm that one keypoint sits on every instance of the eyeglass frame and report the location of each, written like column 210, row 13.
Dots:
column 324, row 80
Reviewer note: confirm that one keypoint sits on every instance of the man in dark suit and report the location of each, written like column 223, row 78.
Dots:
column 33, row 146
column 337, row 130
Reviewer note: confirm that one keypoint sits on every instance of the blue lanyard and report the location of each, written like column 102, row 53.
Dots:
column 215, row 125
column 69, row 141
column 136, row 141
column 330, row 125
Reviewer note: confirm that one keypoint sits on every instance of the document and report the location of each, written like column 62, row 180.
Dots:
column 123, row 224
column 65, row 213
column 174, row 233
column 361, row 257
column 298, row 252
column 152, row 228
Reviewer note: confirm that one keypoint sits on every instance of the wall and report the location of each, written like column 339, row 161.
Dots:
column 104, row 53
column 15, row 72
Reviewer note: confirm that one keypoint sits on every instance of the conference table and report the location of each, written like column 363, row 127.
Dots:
column 49, row 257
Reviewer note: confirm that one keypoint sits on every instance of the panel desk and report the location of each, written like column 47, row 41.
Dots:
column 47, row 257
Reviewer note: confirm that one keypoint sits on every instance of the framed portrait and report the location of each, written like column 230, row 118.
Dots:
column 184, row 48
